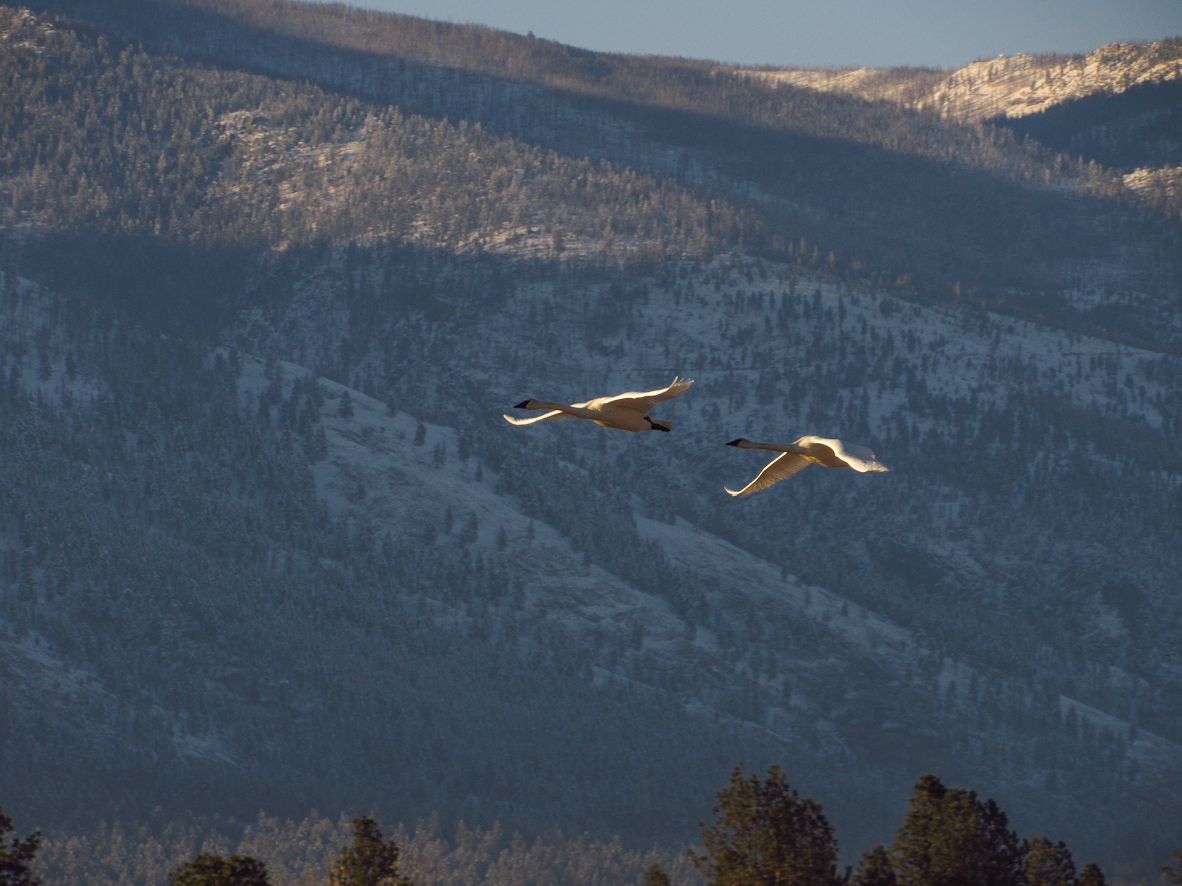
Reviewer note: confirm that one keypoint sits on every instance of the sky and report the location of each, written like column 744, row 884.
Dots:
column 811, row 33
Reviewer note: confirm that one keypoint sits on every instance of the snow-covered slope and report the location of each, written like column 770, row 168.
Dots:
column 836, row 676
column 1006, row 86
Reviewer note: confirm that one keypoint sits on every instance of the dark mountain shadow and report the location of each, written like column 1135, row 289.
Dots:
column 166, row 285
column 1140, row 127
column 176, row 287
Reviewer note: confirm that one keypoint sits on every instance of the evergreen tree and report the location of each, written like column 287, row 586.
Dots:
column 208, row 869
column 1049, row 864
column 874, row 869
column 1174, row 876
column 16, row 855
column 764, row 834
column 345, row 410
column 1091, row 875
column 951, row 838
column 655, row 876
column 372, row 860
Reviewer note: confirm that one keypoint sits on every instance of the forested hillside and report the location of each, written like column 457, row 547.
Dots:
column 902, row 198
column 273, row 271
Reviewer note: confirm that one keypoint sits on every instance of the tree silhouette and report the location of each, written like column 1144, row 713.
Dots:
column 1049, row 864
column 208, row 869
column 874, row 869
column 1174, row 876
column 951, row 838
column 1091, row 875
column 372, row 860
column 764, row 834
column 16, row 855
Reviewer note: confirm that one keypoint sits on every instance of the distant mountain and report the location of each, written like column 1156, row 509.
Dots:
column 273, row 271
column 1005, row 86
column 1117, row 106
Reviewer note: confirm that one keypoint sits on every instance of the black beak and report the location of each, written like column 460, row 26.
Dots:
column 522, row 405
column 735, row 442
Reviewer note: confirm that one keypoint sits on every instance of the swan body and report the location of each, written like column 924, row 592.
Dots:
column 627, row 412
column 797, row 456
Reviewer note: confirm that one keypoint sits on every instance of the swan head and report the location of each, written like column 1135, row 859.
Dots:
column 524, row 404
column 739, row 442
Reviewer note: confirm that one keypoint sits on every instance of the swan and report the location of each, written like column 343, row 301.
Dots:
column 796, row 457
column 628, row 412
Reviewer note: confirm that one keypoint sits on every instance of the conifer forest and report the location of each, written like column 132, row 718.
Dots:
column 275, row 569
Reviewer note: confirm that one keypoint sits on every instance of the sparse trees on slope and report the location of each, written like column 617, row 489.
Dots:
column 765, row 834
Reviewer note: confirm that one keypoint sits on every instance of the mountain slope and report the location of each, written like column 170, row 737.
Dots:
column 1004, row 86
column 1115, row 106
column 225, row 586
column 899, row 197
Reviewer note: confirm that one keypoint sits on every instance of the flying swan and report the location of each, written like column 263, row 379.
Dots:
column 796, row 457
column 628, row 412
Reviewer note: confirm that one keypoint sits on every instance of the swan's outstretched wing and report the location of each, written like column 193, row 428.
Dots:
column 553, row 415
column 784, row 465
column 646, row 400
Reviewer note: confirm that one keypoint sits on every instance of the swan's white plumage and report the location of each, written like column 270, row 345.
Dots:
column 627, row 412
column 797, row 456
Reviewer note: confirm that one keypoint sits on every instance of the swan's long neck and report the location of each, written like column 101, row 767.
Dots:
column 771, row 447
column 578, row 411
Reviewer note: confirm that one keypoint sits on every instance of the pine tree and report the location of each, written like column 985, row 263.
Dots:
column 372, row 860
column 655, row 876
column 874, row 869
column 951, row 838
column 1174, row 876
column 208, row 869
column 1091, row 875
column 766, row 835
column 1049, row 864
column 16, row 855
